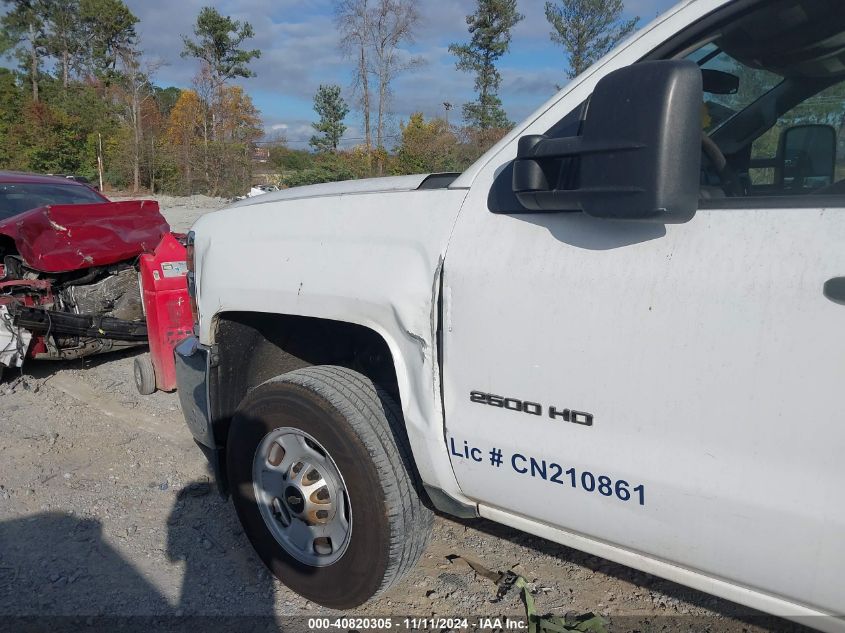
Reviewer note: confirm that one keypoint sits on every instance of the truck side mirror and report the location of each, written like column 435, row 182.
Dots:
column 806, row 157
column 639, row 154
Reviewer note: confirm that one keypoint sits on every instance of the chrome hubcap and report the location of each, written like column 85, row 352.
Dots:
column 302, row 497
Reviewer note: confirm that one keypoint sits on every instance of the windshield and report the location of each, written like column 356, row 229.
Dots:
column 16, row 198
column 753, row 83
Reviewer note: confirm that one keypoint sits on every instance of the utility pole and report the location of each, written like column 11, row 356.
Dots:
column 447, row 106
column 100, row 158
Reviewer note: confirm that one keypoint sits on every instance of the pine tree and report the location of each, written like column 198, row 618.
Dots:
column 24, row 31
column 587, row 29
column 332, row 110
column 65, row 36
column 218, row 44
column 109, row 27
column 11, row 103
column 490, row 27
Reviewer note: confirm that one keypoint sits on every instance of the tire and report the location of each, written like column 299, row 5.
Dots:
column 356, row 425
column 145, row 375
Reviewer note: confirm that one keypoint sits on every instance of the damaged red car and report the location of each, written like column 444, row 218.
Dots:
column 71, row 264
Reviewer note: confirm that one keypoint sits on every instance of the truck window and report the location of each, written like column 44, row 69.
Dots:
column 827, row 108
column 773, row 110
column 752, row 84
column 774, row 105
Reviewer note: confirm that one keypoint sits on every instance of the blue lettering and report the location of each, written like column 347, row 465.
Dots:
column 513, row 463
column 452, row 447
column 538, row 468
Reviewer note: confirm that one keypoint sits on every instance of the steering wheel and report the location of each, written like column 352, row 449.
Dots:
column 728, row 178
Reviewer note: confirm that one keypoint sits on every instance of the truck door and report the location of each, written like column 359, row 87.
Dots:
column 674, row 390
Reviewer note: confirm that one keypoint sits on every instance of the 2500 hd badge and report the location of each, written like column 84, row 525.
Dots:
column 532, row 408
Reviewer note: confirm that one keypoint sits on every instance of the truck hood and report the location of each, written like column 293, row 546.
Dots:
column 346, row 187
column 365, row 251
column 65, row 238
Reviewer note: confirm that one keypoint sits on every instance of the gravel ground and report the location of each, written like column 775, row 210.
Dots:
column 180, row 211
column 106, row 509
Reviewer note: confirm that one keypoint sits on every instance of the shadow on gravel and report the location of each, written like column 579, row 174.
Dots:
column 58, row 572
column 642, row 580
column 39, row 369
column 58, row 564
column 222, row 574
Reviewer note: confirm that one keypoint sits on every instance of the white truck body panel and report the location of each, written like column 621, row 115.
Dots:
column 670, row 571
column 624, row 316
column 706, row 353
column 711, row 356
column 370, row 258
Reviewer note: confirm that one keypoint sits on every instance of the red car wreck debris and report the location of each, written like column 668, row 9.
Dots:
column 69, row 269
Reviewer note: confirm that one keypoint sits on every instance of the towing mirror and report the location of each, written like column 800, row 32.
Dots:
column 638, row 156
column 806, row 157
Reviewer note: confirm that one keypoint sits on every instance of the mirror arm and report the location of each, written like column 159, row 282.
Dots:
column 541, row 201
column 538, row 146
column 532, row 180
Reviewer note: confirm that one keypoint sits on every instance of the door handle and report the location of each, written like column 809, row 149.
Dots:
column 834, row 289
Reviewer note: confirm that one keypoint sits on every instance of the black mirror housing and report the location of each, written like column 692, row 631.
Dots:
column 806, row 157
column 639, row 151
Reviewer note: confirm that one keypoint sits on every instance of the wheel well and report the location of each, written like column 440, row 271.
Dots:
column 7, row 247
column 254, row 347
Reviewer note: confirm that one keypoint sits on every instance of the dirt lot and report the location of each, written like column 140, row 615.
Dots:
column 106, row 510
column 180, row 211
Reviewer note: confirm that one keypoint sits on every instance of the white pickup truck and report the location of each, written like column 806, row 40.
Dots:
column 622, row 329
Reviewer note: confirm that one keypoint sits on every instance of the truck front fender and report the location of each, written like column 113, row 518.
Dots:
column 374, row 260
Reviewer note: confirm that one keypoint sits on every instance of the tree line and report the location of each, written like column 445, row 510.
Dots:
column 372, row 32
column 83, row 99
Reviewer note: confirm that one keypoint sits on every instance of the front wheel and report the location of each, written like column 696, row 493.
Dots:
column 323, row 486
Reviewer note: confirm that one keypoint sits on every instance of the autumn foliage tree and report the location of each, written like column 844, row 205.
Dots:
column 85, row 84
column 239, row 127
column 184, row 134
column 426, row 146
column 230, row 124
column 65, row 98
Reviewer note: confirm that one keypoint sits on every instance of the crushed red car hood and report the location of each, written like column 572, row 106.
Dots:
column 64, row 238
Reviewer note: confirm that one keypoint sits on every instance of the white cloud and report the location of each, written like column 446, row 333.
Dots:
column 299, row 51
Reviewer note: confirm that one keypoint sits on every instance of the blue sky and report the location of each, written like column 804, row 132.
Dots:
column 299, row 51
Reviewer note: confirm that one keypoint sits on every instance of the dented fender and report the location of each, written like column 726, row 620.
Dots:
column 373, row 259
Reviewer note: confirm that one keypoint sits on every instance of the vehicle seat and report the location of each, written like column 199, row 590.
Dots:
column 837, row 188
